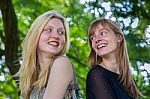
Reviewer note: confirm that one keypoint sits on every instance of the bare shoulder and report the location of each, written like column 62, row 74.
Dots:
column 62, row 68
column 63, row 61
column 62, row 65
column 61, row 75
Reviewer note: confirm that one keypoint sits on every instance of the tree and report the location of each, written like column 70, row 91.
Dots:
column 79, row 14
column 11, row 36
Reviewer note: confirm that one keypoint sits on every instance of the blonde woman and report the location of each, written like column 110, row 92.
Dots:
column 46, row 72
column 109, row 76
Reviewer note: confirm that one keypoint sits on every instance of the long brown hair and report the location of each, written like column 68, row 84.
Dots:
column 30, row 73
column 122, row 56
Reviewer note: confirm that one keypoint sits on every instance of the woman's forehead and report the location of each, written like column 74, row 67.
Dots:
column 101, row 27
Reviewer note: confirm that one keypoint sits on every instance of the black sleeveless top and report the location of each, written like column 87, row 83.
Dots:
column 104, row 84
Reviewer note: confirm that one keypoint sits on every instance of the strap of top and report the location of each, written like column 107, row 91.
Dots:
column 74, row 73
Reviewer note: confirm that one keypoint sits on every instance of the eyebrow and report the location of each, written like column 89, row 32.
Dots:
column 53, row 27
column 103, row 29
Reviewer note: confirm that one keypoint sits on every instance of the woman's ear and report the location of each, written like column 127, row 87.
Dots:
column 119, row 37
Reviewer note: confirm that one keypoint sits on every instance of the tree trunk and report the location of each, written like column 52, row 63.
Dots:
column 11, row 38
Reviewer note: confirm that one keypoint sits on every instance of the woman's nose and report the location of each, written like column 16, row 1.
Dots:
column 97, row 39
column 55, row 35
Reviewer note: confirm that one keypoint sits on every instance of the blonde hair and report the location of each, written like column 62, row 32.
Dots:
column 122, row 56
column 30, row 74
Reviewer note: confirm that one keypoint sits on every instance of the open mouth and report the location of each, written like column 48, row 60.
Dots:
column 99, row 46
column 53, row 43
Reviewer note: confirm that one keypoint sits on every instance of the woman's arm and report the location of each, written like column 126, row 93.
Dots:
column 60, row 77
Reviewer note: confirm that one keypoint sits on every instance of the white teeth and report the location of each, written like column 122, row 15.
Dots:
column 101, row 45
column 53, row 43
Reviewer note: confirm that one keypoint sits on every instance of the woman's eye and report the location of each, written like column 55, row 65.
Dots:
column 61, row 32
column 92, row 38
column 103, row 32
column 48, row 30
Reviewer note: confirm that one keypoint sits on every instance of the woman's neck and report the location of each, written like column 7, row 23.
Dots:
column 43, row 59
column 110, row 64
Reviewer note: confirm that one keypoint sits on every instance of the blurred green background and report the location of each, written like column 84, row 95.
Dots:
column 133, row 16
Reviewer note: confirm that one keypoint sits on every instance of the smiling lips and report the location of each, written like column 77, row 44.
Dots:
column 99, row 46
column 53, row 43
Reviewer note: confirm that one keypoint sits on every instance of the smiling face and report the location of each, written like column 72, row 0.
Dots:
column 104, row 41
column 52, row 39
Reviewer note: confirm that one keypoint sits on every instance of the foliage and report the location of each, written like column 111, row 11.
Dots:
column 79, row 15
column 8, row 88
